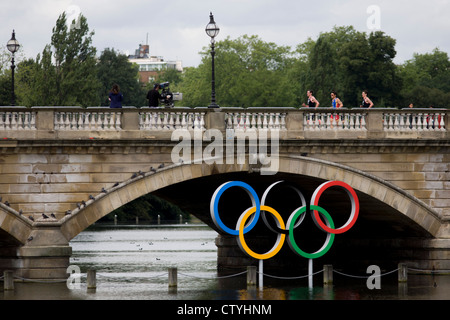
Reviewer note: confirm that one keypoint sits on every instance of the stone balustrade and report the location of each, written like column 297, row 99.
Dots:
column 170, row 120
column 256, row 120
column 303, row 123
column 89, row 121
column 347, row 120
column 414, row 121
column 17, row 120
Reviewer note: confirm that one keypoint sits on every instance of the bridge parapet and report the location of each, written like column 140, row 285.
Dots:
column 159, row 123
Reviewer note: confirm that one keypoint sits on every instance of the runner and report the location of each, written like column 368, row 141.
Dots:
column 312, row 101
column 336, row 103
column 366, row 102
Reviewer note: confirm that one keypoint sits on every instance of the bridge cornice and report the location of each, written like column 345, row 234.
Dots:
column 288, row 146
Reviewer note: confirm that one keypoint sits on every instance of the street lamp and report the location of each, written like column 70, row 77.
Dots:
column 212, row 30
column 13, row 45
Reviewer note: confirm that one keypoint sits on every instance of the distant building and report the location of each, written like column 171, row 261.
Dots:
column 149, row 66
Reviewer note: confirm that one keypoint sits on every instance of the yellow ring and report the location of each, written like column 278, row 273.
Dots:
column 280, row 239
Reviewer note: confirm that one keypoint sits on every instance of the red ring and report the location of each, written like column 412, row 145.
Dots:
column 353, row 198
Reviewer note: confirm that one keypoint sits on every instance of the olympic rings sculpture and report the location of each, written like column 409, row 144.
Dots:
column 259, row 209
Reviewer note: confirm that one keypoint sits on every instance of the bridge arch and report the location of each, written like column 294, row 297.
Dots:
column 407, row 205
column 14, row 228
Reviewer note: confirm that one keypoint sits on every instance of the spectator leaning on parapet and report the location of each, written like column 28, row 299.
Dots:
column 115, row 97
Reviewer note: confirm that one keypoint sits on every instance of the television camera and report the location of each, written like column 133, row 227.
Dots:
column 166, row 95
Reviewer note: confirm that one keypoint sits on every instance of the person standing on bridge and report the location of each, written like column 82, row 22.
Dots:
column 115, row 97
column 153, row 96
column 312, row 101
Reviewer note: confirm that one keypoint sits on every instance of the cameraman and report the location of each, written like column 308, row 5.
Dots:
column 153, row 96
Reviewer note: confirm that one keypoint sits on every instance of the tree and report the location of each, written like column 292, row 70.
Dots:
column 75, row 63
column 68, row 80
column 355, row 59
column 252, row 73
column 249, row 73
column 148, row 208
column 36, row 80
column 322, row 76
column 383, row 83
column 169, row 75
column 348, row 62
column 5, row 90
column 426, row 79
column 114, row 68
column 298, row 76
column 195, row 87
column 6, row 77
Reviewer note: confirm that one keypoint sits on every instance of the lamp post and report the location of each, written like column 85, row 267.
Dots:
column 212, row 30
column 13, row 45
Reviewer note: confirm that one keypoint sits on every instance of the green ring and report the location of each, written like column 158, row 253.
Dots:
column 330, row 236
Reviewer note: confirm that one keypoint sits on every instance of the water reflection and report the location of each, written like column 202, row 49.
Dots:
column 132, row 263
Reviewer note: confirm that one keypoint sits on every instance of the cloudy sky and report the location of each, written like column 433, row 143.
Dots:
column 176, row 28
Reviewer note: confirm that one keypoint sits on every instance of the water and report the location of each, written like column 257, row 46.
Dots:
column 132, row 263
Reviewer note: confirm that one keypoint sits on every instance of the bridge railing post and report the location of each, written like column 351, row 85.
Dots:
column 251, row 276
column 294, row 123
column 45, row 119
column 130, row 119
column 328, row 274
column 374, row 122
column 173, row 278
column 91, row 279
column 215, row 120
column 402, row 272
column 8, row 280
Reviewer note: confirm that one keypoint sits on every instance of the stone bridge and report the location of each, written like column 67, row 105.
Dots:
column 63, row 168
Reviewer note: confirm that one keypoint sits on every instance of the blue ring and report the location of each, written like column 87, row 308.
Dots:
column 215, row 209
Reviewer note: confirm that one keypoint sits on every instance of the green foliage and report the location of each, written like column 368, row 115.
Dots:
column 170, row 75
column 195, row 86
column 68, row 73
column 322, row 76
column 348, row 62
column 426, row 80
column 75, row 63
column 252, row 73
column 112, row 68
column 36, row 82
column 5, row 90
column 249, row 73
column 147, row 208
column 65, row 74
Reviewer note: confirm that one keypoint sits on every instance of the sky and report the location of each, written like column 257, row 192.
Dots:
column 175, row 29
